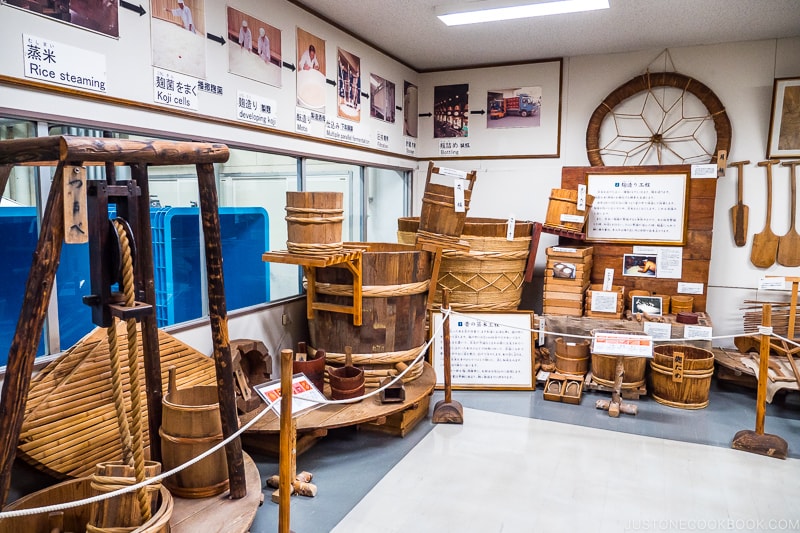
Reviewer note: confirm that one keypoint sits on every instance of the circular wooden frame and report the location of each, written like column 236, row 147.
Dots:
column 645, row 82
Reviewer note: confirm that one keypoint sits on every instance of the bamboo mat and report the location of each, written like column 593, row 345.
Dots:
column 70, row 423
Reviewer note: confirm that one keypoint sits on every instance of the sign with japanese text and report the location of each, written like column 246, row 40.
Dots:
column 622, row 344
column 487, row 351
column 638, row 208
column 309, row 122
column 305, row 395
column 174, row 90
column 61, row 64
column 251, row 108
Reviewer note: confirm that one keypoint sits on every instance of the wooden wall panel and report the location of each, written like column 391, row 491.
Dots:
column 696, row 252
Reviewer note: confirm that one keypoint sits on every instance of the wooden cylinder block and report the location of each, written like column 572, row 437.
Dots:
column 314, row 222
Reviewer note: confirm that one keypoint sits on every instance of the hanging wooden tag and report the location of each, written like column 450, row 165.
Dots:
column 76, row 218
column 677, row 367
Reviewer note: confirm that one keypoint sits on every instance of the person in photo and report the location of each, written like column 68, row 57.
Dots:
column 263, row 45
column 245, row 37
column 185, row 14
column 309, row 59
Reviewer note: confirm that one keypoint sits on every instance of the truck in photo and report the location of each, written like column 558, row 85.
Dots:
column 522, row 105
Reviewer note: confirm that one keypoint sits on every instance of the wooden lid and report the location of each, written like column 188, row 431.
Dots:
column 685, row 317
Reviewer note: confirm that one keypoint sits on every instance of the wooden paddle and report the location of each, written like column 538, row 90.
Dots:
column 789, row 244
column 739, row 212
column 765, row 244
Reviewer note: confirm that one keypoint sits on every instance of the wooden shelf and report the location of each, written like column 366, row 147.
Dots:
column 347, row 258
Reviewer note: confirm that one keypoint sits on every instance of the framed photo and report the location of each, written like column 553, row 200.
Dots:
column 489, row 350
column 784, row 120
column 638, row 207
column 646, row 304
column 645, row 266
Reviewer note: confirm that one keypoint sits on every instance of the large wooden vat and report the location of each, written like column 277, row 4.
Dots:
column 487, row 277
column 395, row 288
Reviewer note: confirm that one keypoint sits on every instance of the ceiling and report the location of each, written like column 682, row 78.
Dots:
column 409, row 31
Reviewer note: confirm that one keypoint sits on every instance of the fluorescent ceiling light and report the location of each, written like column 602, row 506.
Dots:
column 490, row 11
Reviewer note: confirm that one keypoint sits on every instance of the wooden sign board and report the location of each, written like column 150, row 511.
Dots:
column 488, row 350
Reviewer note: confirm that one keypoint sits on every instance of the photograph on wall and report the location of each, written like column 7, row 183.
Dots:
column 410, row 109
column 640, row 265
column 178, row 34
column 518, row 107
column 646, row 304
column 254, row 48
column 784, row 122
column 348, row 85
column 310, row 71
column 381, row 98
column 102, row 17
column 450, row 111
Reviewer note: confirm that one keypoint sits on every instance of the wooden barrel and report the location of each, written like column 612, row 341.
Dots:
column 487, row 277
column 603, row 367
column 572, row 357
column 76, row 518
column 686, row 389
column 562, row 210
column 313, row 368
column 314, row 222
column 191, row 425
column 395, row 282
column 681, row 304
column 122, row 511
column 438, row 216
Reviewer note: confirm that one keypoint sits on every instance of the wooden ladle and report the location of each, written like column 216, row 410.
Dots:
column 765, row 244
column 789, row 244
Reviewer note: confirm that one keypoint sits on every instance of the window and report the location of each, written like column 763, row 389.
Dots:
column 388, row 198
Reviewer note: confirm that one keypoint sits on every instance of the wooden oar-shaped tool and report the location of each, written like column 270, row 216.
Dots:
column 765, row 244
column 789, row 244
column 739, row 212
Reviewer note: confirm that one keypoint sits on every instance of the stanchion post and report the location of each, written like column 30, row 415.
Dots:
column 285, row 475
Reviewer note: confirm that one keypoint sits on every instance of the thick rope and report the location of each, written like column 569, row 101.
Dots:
column 382, row 358
column 320, row 210
column 133, row 370
column 314, row 248
column 117, row 394
column 320, row 220
column 374, row 291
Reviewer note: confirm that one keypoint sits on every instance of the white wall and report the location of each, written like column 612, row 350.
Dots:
column 741, row 74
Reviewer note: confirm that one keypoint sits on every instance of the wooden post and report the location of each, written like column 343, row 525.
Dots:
column 447, row 411
column 147, row 287
column 217, row 314
column 285, row 474
column 5, row 172
column 763, row 369
column 22, row 353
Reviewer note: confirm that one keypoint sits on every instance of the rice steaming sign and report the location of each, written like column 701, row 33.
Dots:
column 61, row 64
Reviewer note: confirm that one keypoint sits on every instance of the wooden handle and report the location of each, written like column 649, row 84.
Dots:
column 763, row 369
column 348, row 356
column 448, row 389
column 739, row 168
column 769, row 163
column 173, row 386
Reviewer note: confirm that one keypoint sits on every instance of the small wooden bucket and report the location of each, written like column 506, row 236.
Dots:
column 314, row 222
column 122, row 511
column 314, row 369
column 604, row 365
column 572, row 357
column 683, row 387
column 681, row 304
column 76, row 518
column 191, row 424
column 438, row 216
column 348, row 381
column 562, row 210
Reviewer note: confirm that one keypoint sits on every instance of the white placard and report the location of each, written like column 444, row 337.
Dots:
column 658, row 330
column 411, row 146
column 309, row 122
column 690, row 288
column 256, row 109
column 696, row 332
column 382, row 140
column 541, row 331
column 604, row 302
column 772, row 284
column 510, row 228
column 621, row 344
column 704, row 171
column 564, row 250
column 484, row 353
column 459, row 185
column 174, row 90
column 344, row 131
column 572, row 218
column 608, row 280
column 452, row 172
column 61, row 64
column 637, row 208
column 449, row 147
column 305, row 396
column 581, row 198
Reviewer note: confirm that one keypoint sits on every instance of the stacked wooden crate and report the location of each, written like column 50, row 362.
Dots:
column 566, row 277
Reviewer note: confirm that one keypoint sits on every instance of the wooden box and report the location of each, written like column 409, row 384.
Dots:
column 562, row 388
column 562, row 210
column 620, row 290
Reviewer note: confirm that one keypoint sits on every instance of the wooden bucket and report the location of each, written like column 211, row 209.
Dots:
column 314, row 222
column 191, row 425
column 603, row 367
column 122, row 511
column 395, row 291
column 562, row 210
column 76, row 518
column 686, row 389
column 487, row 277
column 681, row 304
column 348, row 381
column 572, row 357
column 313, row 368
column 438, row 215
